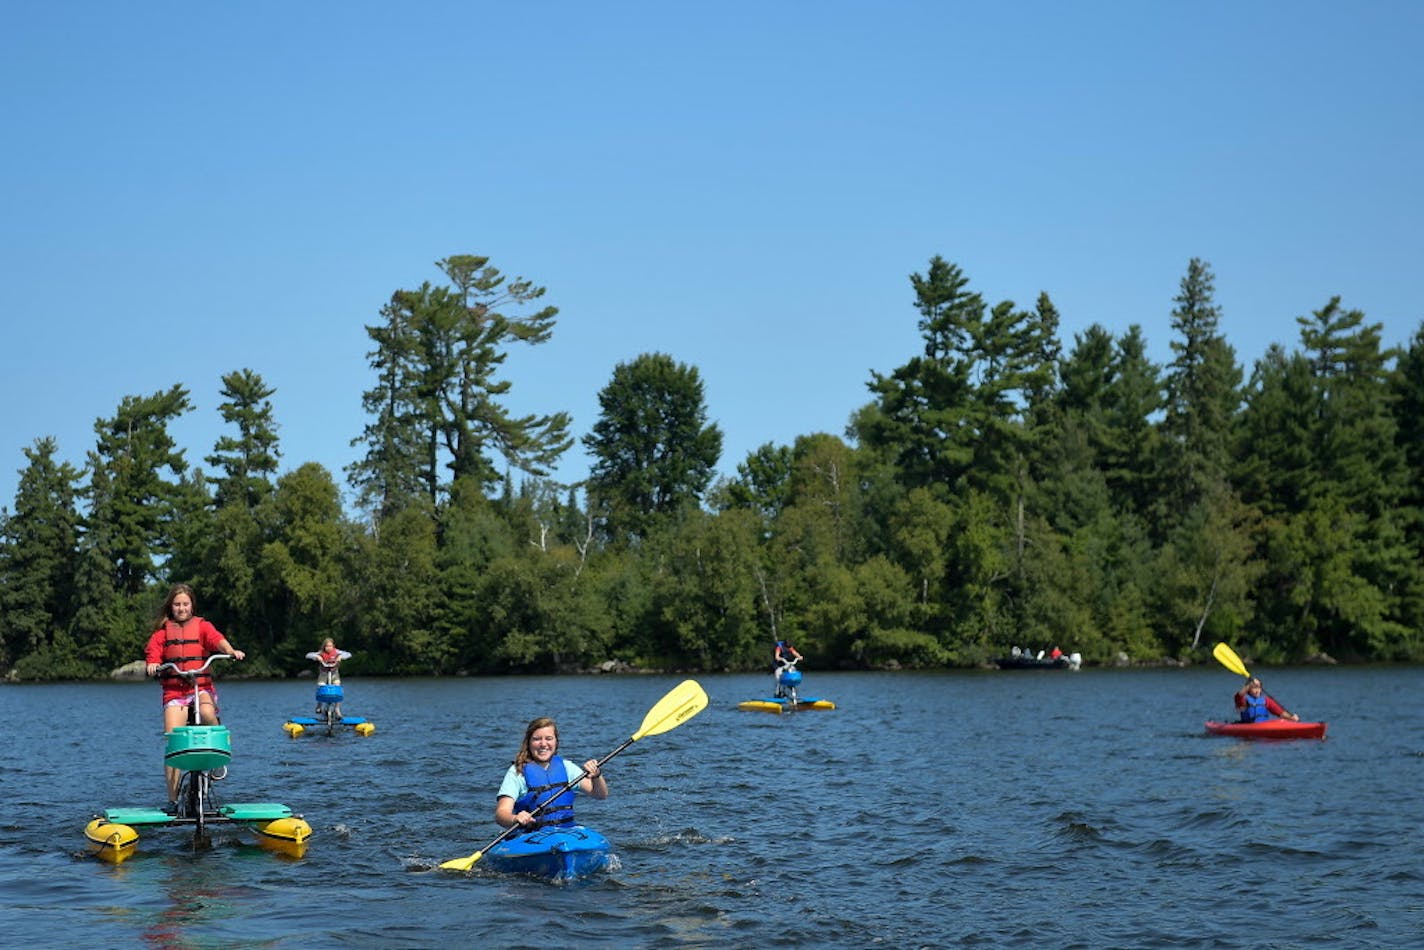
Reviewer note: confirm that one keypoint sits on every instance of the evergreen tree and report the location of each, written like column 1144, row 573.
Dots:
column 1131, row 440
column 1407, row 388
column 392, row 471
column 438, row 398
column 920, row 419
column 1203, row 393
column 248, row 460
column 132, row 508
column 1354, row 442
column 1325, row 460
column 301, row 573
column 38, row 557
column 951, row 419
column 1277, row 468
column 653, row 449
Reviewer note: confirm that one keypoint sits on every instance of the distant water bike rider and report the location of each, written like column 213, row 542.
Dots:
column 785, row 657
column 328, row 672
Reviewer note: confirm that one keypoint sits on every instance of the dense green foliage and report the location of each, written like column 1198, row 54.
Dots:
column 996, row 489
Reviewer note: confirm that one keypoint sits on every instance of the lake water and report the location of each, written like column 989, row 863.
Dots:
column 1043, row 809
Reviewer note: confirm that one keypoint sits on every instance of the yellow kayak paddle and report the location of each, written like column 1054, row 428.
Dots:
column 1227, row 657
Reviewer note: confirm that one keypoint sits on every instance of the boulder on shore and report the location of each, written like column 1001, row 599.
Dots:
column 137, row 670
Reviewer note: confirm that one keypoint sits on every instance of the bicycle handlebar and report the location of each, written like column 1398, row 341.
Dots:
column 189, row 674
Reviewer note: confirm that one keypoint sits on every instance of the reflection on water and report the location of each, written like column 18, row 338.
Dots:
column 1045, row 809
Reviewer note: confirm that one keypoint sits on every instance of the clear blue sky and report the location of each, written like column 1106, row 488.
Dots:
column 191, row 189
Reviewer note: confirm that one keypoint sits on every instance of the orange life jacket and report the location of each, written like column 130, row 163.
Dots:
column 183, row 647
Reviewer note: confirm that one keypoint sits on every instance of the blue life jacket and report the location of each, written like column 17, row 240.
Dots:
column 1255, row 709
column 541, row 782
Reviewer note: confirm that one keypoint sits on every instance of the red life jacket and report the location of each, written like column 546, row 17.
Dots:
column 183, row 647
column 330, row 658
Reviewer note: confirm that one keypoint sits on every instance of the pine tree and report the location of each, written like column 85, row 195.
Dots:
column 652, row 446
column 131, row 506
column 439, row 405
column 248, row 460
column 1203, row 393
column 38, row 555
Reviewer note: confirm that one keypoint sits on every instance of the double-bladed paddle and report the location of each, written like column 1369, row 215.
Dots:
column 686, row 700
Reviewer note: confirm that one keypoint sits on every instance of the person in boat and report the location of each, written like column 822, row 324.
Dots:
column 185, row 640
column 1255, row 706
column 1055, row 653
column 538, row 772
column 783, row 656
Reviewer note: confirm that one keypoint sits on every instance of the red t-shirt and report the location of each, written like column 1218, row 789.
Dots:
column 209, row 639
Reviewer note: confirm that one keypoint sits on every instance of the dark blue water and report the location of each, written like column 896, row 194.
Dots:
column 991, row 809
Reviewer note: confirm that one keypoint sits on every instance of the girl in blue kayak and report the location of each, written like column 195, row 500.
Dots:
column 537, row 777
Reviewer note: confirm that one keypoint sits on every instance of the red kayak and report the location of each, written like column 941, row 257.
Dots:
column 1268, row 729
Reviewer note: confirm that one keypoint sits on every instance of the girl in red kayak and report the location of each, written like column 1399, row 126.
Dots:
column 1255, row 706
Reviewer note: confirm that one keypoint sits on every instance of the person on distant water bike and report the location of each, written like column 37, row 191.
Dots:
column 329, row 658
column 783, row 656
column 186, row 641
column 328, row 661
column 1255, row 706
column 537, row 773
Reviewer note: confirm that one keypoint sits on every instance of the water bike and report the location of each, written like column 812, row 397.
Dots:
column 202, row 753
column 560, row 853
column 788, row 697
column 328, row 710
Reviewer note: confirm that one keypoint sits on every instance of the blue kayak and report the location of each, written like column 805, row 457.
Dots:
column 557, row 853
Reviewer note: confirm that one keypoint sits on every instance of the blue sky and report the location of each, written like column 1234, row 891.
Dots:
column 192, row 189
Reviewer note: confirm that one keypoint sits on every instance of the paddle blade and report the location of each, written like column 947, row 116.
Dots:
column 1227, row 657
column 684, row 701
column 462, row 864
